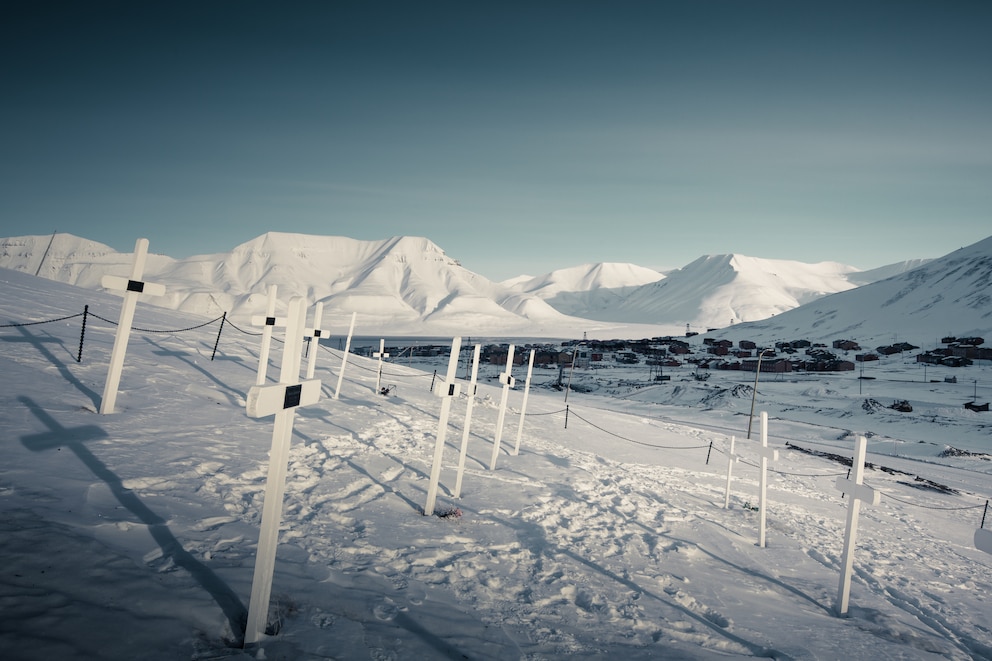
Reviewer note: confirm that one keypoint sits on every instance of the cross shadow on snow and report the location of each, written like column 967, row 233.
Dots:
column 184, row 357
column 75, row 439
column 39, row 344
column 713, row 556
column 309, row 440
column 533, row 537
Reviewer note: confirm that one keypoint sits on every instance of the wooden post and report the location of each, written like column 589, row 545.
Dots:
column 380, row 354
column 268, row 321
column 280, row 400
column 859, row 492
column 131, row 287
column 731, row 459
column 315, row 334
column 447, row 392
column 766, row 453
column 344, row 358
column 523, row 405
column 508, row 382
column 468, row 421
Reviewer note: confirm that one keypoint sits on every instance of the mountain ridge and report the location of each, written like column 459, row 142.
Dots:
column 409, row 286
column 401, row 285
column 949, row 295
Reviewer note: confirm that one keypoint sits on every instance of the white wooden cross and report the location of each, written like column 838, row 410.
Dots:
column 731, row 459
column 766, row 453
column 344, row 358
column 314, row 334
column 447, row 391
column 508, row 382
column 523, row 406
column 380, row 354
column 854, row 486
column 280, row 400
column 268, row 321
column 131, row 287
column 983, row 539
column 468, row 421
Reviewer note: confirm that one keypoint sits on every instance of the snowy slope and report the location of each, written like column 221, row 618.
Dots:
column 717, row 290
column 951, row 295
column 714, row 291
column 882, row 272
column 586, row 290
column 133, row 535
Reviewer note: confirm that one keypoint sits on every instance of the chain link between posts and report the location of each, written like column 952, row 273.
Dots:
column 46, row 321
column 225, row 321
column 167, row 331
column 86, row 313
column 770, row 470
column 636, row 442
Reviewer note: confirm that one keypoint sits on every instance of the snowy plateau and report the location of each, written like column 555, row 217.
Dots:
column 612, row 533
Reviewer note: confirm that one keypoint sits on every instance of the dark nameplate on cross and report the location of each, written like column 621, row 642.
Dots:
column 452, row 389
column 132, row 287
column 263, row 401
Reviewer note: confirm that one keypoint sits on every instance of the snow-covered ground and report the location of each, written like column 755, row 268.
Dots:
column 132, row 535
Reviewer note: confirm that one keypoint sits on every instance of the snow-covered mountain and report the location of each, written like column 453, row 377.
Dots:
column 408, row 286
column 403, row 285
column 951, row 295
column 584, row 291
column 713, row 291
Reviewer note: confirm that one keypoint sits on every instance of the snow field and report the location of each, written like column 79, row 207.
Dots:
column 133, row 535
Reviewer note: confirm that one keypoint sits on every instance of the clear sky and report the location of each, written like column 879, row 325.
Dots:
column 521, row 137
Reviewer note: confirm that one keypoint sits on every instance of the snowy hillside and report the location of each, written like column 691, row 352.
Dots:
column 403, row 285
column 718, row 290
column 134, row 535
column 951, row 295
column 888, row 271
column 584, row 291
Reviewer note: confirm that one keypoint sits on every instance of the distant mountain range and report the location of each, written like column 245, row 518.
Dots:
column 714, row 291
column 408, row 286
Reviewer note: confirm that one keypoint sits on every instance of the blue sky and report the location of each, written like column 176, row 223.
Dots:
column 521, row 137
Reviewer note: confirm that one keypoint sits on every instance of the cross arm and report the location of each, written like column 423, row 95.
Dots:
column 859, row 491
column 125, row 284
column 263, row 401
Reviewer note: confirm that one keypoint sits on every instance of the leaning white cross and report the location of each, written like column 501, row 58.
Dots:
column 380, row 354
column 344, row 358
column 731, row 459
column 523, row 405
column 508, row 382
column 268, row 321
column 314, row 334
column 463, row 452
column 766, row 454
column 280, row 400
column 854, row 486
column 131, row 287
column 447, row 391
